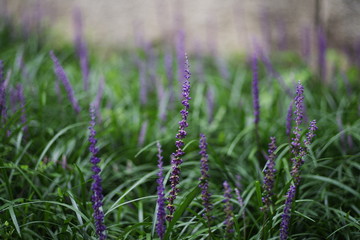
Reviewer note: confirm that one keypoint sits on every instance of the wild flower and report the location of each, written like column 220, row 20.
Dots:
column 269, row 172
column 285, row 217
column 255, row 89
column 210, row 99
column 311, row 133
column 21, row 99
column 298, row 152
column 204, row 179
column 177, row 156
column 97, row 196
column 61, row 75
column 160, row 225
column 3, row 110
column 142, row 133
column 228, row 209
column 299, row 115
column 240, row 201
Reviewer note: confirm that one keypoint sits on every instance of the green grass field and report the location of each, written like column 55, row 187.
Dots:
column 45, row 167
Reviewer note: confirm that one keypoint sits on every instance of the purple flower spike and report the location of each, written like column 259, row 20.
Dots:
column 204, row 180
column 299, row 115
column 228, row 209
column 240, row 201
column 269, row 171
column 285, row 217
column 255, row 89
column 3, row 108
column 21, row 99
column 297, row 150
column 97, row 196
column 160, row 225
column 311, row 134
column 61, row 75
column 177, row 156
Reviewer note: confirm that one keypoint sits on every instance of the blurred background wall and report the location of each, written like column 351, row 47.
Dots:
column 226, row 25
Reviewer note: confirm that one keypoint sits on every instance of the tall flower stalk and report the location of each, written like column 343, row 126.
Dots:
column 61, row 75
column 160, row 225
column 228, row 209
column 269, row 176
column 204, row 179
column 97, row 196
column 255, row 89
column 285, row 217
column 177, row 155
column 298, row 151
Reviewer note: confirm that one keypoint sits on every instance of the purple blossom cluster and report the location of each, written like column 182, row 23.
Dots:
column 204, row 179
column 97, row 196
column 177, row 156
column 160, row 225
column 285, row 217
column 299, row 115
column 298, row 152
column 311, row 133
column 240, row 201
column 228, row 209
column 3, row 109
column 255, row 89
column 61, row 75
column 269, row 172
column 21, row 99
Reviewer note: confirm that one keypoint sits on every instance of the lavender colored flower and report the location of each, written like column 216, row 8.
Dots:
column 299, row 115
column 289, row 119
column 311, row 133
column 97, row 196
column 255, row 89
column 210, row 104
column 240, row 201
column 61, row 75
column 21, row 99
column 285, row 217
column 3, row 108
column 297, row 150
column 177, row 156
column 81, row 48
column 160, row 225
column 269, row 176
column 228, row 209
column 204, row 179
column 142, row 133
